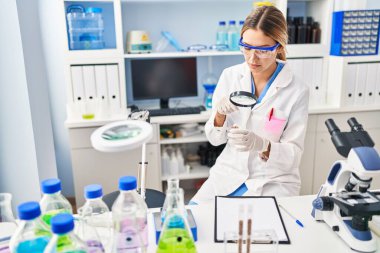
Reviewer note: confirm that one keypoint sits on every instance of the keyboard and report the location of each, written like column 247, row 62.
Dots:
column 176, row 111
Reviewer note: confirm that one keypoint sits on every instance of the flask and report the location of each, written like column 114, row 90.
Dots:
column 7, row 221
column 173, row 185
column 94, row 218
column 209, row 84
column 316, row 33
column 64, row 239
column 32, row 235
column 176, row 235
column 53, row 202
column 221, row 34
column 129, row 214
column 233, row 36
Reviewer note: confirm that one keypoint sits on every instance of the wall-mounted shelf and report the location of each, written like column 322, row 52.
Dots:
column 197, row 172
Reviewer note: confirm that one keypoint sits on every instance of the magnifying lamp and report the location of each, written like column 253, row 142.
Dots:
column 243, row 99
column 124, row 135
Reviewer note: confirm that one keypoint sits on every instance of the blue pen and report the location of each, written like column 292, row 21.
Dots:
column 294, row 218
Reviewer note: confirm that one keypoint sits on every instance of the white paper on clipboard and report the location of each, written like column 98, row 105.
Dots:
column 265, row 216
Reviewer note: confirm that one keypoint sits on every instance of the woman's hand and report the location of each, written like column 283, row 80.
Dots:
column 244, row 140
column 223, row 107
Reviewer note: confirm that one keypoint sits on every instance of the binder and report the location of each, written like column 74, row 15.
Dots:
column 377, row 95
column 297, row 67
column 113, row 87
column 101, row 82
column 349, row 91
column 308, row 72
column 77, row 84
column 89, row 82
column 361, row 77
column 370, row 87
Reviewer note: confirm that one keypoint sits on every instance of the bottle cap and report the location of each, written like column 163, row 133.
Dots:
column 93, row 191
column 232, row 22
column 241, row 22
column 127, row 183
column 62, row 223
column 50, row 186
column 93, row 10
column 222, row 23
column 29, row 210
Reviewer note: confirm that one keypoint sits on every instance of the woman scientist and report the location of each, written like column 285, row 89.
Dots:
column 265, row 143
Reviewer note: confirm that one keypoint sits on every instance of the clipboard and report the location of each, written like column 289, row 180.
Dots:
column 266, row 215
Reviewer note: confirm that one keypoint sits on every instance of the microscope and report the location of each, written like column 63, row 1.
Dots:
column 344, row 201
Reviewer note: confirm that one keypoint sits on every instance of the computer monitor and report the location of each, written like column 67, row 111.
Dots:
column 163, row 79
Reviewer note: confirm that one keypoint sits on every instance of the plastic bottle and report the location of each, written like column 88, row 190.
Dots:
column 176, row 235
column 95, row 218
column 64, row 239
column 233, row 36
column 129, row 214
column 180, row 160
column 8, row 223
column 291, row 31
column 316, row 33
column 53, row 202
column 174, row 170
column 301, row 32
column 32, row 235
column 94, row 23
column 165, row 162
column 309, row 24
column 221, row 34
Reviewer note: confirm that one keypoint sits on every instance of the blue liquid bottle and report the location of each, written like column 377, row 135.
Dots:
column 32, row 235
column 233, row 36
column 64, row 240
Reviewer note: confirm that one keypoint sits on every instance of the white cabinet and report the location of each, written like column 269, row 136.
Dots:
column 91, row 166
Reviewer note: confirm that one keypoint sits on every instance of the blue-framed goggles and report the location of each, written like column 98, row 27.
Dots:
column 261, row 52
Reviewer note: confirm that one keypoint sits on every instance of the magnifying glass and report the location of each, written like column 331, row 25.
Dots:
column 243, row 99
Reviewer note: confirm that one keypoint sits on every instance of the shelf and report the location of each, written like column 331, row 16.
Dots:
column 197, row 172
column 181, row 54
column 181, row 119
column 189, row 139
column 294, row 51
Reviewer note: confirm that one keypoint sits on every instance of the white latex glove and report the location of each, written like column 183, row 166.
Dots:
column 224, row 106
column 244, row 140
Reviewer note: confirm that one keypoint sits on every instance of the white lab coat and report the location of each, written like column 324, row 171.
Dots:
column 279, row 175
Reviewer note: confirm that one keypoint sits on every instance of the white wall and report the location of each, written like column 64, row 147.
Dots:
column 37, row 87
column 18, row 160
column 53, row 41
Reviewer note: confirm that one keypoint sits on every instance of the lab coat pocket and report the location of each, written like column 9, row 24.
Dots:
column 274, row 125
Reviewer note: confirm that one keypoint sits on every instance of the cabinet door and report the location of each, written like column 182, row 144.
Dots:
column 307, row 161
column 91, row 166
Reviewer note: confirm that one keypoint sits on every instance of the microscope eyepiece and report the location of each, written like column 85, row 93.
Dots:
column 332, row 127
column 354, row 124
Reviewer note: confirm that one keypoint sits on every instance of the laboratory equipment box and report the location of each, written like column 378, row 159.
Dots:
column 355, row 33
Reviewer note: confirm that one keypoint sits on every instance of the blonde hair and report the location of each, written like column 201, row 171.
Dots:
column 272, row 22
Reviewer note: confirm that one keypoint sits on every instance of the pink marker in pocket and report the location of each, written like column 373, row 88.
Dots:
column 273, row 124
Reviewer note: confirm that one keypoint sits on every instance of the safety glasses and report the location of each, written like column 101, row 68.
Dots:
column 261, row 52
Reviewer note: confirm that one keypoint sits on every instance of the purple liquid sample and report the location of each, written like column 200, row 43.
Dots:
column 94, row 247
column 4, row 249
